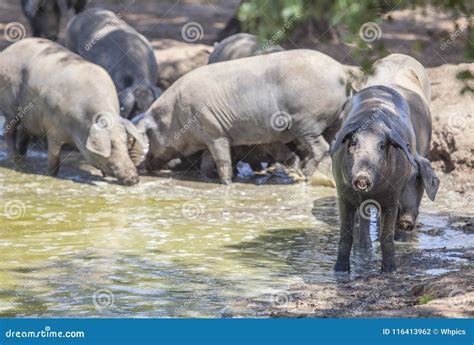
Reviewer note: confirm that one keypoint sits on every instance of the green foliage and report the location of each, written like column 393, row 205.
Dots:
column 468, row 79
column 265, row 18
column 268, row 19
column 425, row 299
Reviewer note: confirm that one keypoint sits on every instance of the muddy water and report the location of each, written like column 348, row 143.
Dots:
column 79, row 246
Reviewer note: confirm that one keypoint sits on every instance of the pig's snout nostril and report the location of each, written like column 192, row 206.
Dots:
column 362, row 183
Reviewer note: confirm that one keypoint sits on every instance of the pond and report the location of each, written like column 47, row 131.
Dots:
column 79, row 247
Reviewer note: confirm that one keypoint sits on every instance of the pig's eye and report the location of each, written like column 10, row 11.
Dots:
column 383, row 146
column 352, row 141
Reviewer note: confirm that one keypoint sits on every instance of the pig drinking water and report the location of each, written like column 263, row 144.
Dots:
column 54, row 93
column 279, row 97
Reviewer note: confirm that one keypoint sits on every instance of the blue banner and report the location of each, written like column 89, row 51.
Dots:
column 236, row 331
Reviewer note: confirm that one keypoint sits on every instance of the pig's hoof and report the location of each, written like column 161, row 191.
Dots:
column 226, row 182
column 389, row 268
column 365, row 245
column 342, row 267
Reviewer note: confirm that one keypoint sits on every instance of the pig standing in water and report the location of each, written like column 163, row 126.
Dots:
column 102, row 37
column 279, row 97
column 55, row 93
column 378, row 155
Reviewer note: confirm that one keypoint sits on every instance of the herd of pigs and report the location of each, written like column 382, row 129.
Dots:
column 98, row 93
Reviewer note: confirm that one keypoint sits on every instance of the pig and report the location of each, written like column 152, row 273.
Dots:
column 45, row 15
column 54, row 93
column 233, row 26
column 378, row 156
column 279, row 97
column 102, row 37
column 411, row 80
column 178, row 58
column 240, row 46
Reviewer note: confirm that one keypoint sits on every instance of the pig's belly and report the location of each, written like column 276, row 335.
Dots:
column 253, row 134
column 33, row 124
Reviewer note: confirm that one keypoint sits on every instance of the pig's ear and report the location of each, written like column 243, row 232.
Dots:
column 127, row 102
column 99, row 141
column 428, row 176
column 137, row 142
column 345, row 131
column 399, row 142
column 139, row 136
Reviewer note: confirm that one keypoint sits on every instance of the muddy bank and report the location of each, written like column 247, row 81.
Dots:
column 452, row 108
column 449, row 295
column 409, row 293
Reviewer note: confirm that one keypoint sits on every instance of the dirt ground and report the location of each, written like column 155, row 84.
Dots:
column 447, row 296
column 419, row 33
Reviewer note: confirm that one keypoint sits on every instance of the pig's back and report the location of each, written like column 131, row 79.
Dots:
column 399, row 70
column 262, row 85
column 60, row 84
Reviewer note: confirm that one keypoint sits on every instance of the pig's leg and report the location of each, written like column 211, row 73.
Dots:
column 10, row 140
column 410, row 200
column 23, row 139
column 282, row 153
column 318, row 148
column 207, row 164
column 363, row 234
column 389, row 219
column 54, row 153
column 11, row 147
column 220, row 151
column 347, row 216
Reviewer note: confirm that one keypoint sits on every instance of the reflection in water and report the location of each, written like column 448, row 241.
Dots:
column 166, row 248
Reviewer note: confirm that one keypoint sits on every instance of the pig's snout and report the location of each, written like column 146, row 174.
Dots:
column 130, row 180
column 362, row 182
